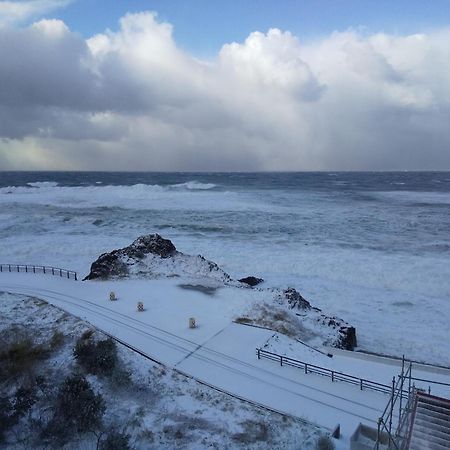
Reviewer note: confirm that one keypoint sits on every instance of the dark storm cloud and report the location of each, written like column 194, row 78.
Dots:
column 133, row 100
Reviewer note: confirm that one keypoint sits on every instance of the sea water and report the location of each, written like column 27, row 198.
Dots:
column 371, row 248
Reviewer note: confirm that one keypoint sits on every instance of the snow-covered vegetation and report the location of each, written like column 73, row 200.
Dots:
column 54, row 366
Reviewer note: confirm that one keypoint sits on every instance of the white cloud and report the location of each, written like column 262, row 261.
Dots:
column 14, row 12
column 132, row 99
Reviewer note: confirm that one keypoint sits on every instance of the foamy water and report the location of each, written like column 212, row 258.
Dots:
column 371, row 248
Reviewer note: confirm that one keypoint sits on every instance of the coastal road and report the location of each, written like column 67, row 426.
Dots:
column 221, row 354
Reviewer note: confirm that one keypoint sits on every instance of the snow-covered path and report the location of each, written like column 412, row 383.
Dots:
column 218, row 352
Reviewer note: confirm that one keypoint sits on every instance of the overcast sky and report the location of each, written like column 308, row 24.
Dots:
column 96, row 85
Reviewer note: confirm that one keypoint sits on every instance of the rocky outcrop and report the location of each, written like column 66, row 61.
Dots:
column 347, row 340
column 340, row 334
column 251, row 281
column 115, row 263
column 286, row 311
column 152, row 256
column 295, row 300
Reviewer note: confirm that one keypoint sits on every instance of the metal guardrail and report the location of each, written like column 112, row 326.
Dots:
column 333, row 374
column 27, row 268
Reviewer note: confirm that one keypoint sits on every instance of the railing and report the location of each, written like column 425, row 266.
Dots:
column 333, row 374
column 399, row 439
column 20, row 268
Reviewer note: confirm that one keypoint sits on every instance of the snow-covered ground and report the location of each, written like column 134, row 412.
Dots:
column 159, row 408
column 218, row 351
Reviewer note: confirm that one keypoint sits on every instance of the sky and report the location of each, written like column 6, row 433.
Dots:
column 204, row 85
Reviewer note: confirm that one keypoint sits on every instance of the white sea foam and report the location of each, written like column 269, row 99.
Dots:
column 42, row 184
column 192, row 195
column 194, row 186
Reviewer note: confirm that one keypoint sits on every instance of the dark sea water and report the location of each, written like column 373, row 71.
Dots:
column 370, row 247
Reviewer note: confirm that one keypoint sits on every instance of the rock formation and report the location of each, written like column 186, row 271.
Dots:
column 251, row 281
column 286, row 311
column 152, row 256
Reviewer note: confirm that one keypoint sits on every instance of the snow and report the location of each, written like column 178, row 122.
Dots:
column 218, row 352
column 161, row 408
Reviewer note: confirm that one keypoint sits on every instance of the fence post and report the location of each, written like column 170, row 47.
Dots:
column 332, row 375
column 401, row 389
column 361, row 384
column 392, row 410
column 281, row 360
column 43, row 268
column 378, row 433
column 76, row 277
column 34, row 269
column 257, row 350
column 9, row 267
column 60, row 272
column 306, row 368
column 26, row 269
column 18, row 268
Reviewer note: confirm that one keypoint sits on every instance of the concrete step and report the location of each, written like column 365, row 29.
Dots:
column 422, row 433
column 433, row 416
column 431, row 428
column 433, row 419
column 442, row 410
column 417, row 443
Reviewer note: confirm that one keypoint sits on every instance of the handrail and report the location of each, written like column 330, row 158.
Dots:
column 430, row 381
column 333, row 374
column 28, row 268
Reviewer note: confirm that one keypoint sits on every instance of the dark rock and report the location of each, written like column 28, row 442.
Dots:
column 107, row 265
column 251, row 281
column 295, row 300
column 347, row 339
column 112, row 264
column 151, row 243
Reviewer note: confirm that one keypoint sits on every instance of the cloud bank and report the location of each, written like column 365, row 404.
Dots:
column 14, row 12
column 133, row 100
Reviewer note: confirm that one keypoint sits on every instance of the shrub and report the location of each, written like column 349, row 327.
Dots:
column 115, row 441
column 57, row 340
column 78, row 404
column 24, row 399
column 7, row 418
column 14, row 407
column 98, row 358
column 18, row 355
column 324, row 443
column 120, row 377
column 77, row 409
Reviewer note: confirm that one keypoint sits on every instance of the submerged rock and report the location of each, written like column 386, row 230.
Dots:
column 251, row 281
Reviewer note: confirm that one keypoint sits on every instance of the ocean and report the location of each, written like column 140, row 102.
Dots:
column 371, row 248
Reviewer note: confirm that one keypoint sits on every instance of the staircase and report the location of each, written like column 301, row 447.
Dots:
column 430, row 429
